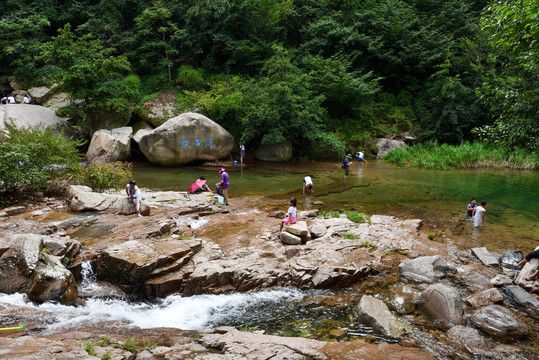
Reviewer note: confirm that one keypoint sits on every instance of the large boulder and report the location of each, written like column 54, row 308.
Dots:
column 381, row 146
column 425, row 269
column 374, row 313
column 14, row 84
column 110, row 145
column 274, row 152
column 41, row 93
column 186, row 138
column 444, row 304
column 500, row 322
column 26, row 268
column 107, row 120
column 82, row 198
column 25, row 115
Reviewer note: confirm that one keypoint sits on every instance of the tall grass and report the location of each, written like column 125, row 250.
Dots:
column 431, row 155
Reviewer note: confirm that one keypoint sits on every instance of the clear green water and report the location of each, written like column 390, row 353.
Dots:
column 438, row 197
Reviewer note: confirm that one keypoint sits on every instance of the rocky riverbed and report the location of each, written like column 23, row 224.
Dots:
column 407, row 287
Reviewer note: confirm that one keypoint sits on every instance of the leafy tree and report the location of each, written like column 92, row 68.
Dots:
column 155, row 37
column 88, row 71
column 512, row 73
column 281, row 105
column 30, row 156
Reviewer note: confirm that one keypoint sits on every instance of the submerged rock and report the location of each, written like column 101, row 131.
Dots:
column 468, row 339
column 500, row 322
column 374, row 312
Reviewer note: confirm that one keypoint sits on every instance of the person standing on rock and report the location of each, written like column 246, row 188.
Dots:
column 224, row 184
column 346, row 166
column 291, row 214
column 134, row 195
column 242, row 153
column 479, row 214
column 307, row 184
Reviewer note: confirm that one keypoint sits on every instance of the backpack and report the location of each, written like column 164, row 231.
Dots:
column 343, row 166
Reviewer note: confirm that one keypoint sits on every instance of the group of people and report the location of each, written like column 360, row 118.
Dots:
column 11, row 100
column 347, row 161
column 476, row 212
column 221, row 187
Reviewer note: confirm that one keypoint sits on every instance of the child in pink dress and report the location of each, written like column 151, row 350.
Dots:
column 291, row 215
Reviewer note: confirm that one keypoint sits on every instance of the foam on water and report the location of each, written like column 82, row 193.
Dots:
column 196, row 224
column 190, row 313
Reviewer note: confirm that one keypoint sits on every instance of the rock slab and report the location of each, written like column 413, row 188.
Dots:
column 485, row 256
column 500, row 322
column 374, row 312
column 425, row 269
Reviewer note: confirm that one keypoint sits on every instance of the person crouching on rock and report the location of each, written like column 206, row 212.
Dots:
column 291, row 215
column 134, row 195
column 199, row 186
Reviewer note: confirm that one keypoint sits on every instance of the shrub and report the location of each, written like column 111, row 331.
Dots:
column 89, row 347
column 348, row 236
column 106, row 176
column 357, row 217
column 430, row 236
column 30, row 157
column 132, row 344
column 190, row 78
column 329, row 214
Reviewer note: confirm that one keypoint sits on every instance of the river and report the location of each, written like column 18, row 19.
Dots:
column 438, row 197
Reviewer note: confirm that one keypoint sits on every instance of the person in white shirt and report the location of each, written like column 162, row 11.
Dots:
column 10, row 99
column 242, row 153
column 307, row 184
column 479, row 214
column 134, row 195
column 26, row 100
column 360, row 156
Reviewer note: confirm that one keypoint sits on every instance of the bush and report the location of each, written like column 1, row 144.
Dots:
column 30, row 157
column 357, row 217
column 106, row 176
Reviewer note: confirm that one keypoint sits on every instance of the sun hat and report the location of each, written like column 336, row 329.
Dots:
column 349, row 155
column 221, row 170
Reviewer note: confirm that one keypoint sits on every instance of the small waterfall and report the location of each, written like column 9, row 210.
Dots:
column 196, row 224
column 89, row 280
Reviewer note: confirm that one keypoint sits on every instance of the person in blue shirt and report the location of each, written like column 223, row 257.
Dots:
column 346, row 166
column 472, row 205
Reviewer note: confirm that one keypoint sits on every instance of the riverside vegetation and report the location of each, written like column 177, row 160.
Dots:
column 329, row 76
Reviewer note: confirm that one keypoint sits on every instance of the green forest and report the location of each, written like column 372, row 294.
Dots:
column 328, row 75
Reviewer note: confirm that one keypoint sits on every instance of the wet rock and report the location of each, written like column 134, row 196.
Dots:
column 484, row 298
column 317, row 230
column 511, row 257
column 19, row 256
column 108, row 146
column 476, row 276
column 444, row 304
column 425, row 269
column 40, row 211
column 374, row 313
column 290, row 239
column 485, row 256
column 500, row 322
column 468, row 339
column 500, row 280
column 401, row 299
column 51, row 281
column 63, row 247
column 134, row 262
column 15, row 210
column 299, row 228
column 522, row 299
column 278, row 214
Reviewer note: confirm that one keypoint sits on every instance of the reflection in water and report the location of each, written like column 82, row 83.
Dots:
column 438, row 197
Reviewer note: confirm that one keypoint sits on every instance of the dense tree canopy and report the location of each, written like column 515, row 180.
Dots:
column 328, row 75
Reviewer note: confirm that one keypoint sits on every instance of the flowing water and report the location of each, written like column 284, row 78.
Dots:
column 436, row 196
